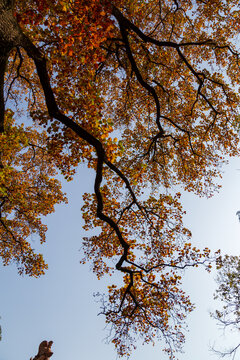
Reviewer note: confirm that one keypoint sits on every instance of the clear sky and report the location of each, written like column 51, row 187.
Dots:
column 60, row 306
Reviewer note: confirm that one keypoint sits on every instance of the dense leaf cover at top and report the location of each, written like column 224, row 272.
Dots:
column 145, row 93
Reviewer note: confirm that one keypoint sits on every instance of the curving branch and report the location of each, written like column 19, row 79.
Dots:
column 124, row 264
column 144, row 84
column 126, row 28
column 54, row 112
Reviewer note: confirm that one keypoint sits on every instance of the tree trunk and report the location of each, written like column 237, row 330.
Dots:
column 10, row 37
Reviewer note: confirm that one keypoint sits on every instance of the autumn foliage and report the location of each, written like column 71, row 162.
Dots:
column 145, row 93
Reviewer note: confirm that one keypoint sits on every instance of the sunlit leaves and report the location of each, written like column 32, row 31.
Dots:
column 28, row 190
column 153, row 86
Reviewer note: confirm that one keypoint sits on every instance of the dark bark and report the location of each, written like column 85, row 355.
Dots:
column 3, row 64
column 10, row 37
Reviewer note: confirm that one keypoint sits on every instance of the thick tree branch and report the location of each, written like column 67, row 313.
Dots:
column 135, row 69
column 55, row 112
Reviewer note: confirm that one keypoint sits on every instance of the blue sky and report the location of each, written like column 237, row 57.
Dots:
column 60, row 306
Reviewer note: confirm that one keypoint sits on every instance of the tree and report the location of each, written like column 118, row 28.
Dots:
column 144, row 92
column 228, row 293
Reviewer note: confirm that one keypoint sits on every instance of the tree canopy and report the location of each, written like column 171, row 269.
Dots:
column 146, row 94
column 228, row 293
